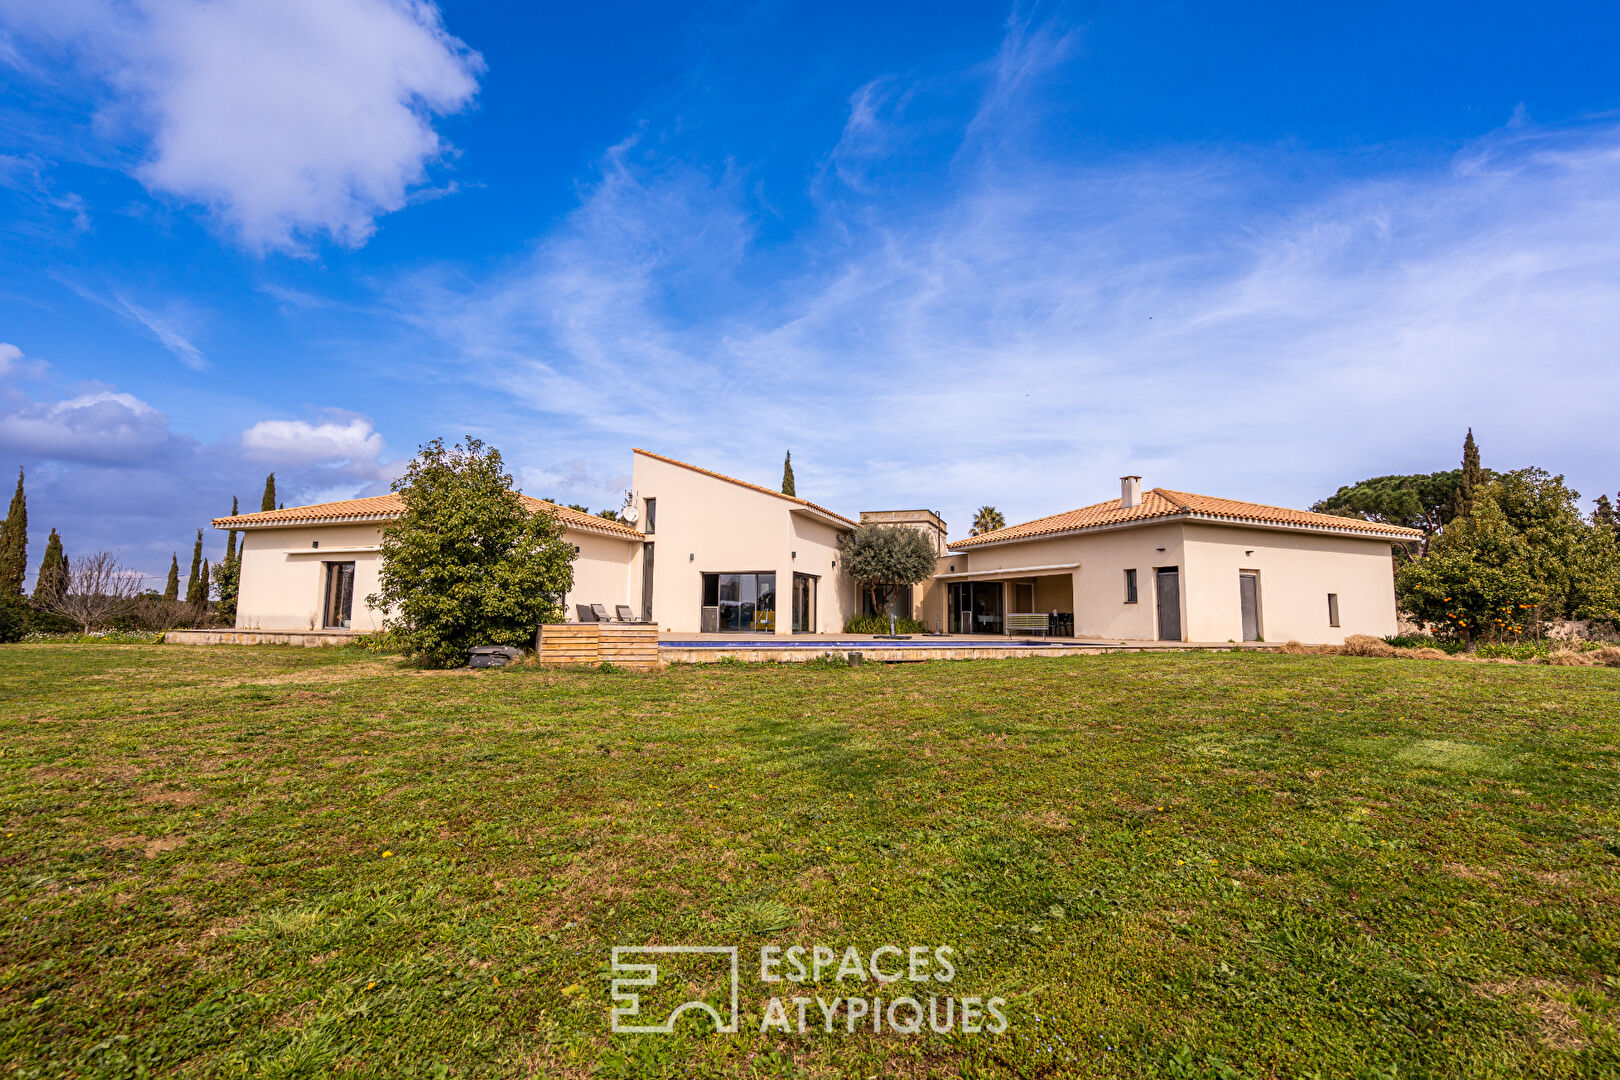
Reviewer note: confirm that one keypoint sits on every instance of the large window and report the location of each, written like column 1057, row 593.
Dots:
column 738, row 603
column 651, row 524
column 339, row 595
column 975, row 607
column 899, row 603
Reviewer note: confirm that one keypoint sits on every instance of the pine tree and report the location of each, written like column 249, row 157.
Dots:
column 171, row 591
column 52, row 577
column 1473, row 478
column 14, row 544
column 269, row 500
column 787, row 475
column 230, row 537
column 193, row 582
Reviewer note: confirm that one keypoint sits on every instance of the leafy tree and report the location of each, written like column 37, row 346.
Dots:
column 467, row 564
column 1574, row 563
column 194, row 582
column 269, row 500
column 227, row 585
column 15, row 620
column 987, row 520
column 1472, row 479
column 1606, row 517
column 53, row 570
column 787, row 475
column 171, row 591
column 14, row 543
column 882, row 558
column 1475, row 584
column 1420, row 501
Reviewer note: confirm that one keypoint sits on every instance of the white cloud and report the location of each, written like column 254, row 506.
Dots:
column 287, row 119
column 102, row 427
column 9, row 356
column 331, row 442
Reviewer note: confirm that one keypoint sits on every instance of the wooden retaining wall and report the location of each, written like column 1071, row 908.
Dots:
column 626, row 645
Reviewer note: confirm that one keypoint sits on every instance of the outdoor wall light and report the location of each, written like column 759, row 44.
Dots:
column 795, row 554
column 1249, row 552
column 1158, row 549
column 692, row 557
column 314, row 543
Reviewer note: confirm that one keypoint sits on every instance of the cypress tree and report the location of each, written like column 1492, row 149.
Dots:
column 1473, row 477
column 171, row 591
column 269, row 500
column 14, row 544
column 52, row 578
column 196, row 570
column 202, row 585
column 230, row 537
column 787, row 475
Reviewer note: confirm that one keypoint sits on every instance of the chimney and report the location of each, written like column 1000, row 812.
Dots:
column 1130, row 491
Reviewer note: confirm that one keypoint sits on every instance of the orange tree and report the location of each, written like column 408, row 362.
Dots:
column 1477, row 582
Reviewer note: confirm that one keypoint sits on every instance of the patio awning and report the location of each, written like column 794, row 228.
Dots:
column 1009, row 572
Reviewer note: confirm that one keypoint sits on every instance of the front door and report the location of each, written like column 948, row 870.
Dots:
column 1169, row 594
column 1249, row 597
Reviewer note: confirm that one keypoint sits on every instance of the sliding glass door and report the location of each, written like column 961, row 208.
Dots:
column 804, row 604
column 742, row 602
column 975, row 607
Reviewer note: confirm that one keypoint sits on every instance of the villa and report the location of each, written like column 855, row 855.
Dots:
column 703, row 553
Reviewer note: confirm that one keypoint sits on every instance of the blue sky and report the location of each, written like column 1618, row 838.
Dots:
column 949, row 254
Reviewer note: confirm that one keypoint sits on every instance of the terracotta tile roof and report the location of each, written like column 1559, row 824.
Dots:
column 746, row 484
column 1163, row 503
column 388, row 507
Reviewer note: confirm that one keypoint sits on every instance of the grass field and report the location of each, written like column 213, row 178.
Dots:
column 288, row 862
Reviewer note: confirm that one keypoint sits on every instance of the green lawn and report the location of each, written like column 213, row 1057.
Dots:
column 281, row 862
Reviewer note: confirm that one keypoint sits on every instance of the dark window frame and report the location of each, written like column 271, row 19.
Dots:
column 1333, row 609
column 1131, row 594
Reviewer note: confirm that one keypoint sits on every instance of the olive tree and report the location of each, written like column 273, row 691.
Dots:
column 882, row 558
column 468, row 563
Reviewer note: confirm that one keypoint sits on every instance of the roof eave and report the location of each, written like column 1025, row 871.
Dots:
column 1198, row 518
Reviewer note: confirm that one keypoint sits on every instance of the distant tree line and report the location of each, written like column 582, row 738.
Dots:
column 96, row 592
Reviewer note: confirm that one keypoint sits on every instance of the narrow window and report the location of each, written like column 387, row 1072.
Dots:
column 1333, row 609
column 652, row 516
column 1130, row 586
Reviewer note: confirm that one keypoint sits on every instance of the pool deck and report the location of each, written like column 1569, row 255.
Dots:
column 782, row 649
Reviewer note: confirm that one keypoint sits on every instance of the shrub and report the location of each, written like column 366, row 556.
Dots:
column 879, row 624
column 467, row 564
column 1571, row 658
column 14, row 619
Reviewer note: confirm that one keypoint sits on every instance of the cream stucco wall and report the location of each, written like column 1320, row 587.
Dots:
column 705, row 524
column 284, row 574
column 1296, row 572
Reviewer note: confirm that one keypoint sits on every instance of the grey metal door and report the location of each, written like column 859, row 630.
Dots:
column 1249, row 592
column 646, row 581
column 1169, row 594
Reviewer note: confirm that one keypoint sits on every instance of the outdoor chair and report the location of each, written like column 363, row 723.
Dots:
column 624, row 613
column 585, row 613
column 601, row 613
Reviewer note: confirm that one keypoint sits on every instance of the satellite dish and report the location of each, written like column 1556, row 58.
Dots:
column 630, row 514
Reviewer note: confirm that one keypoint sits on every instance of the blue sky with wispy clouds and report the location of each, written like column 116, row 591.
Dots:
column 949, row 254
